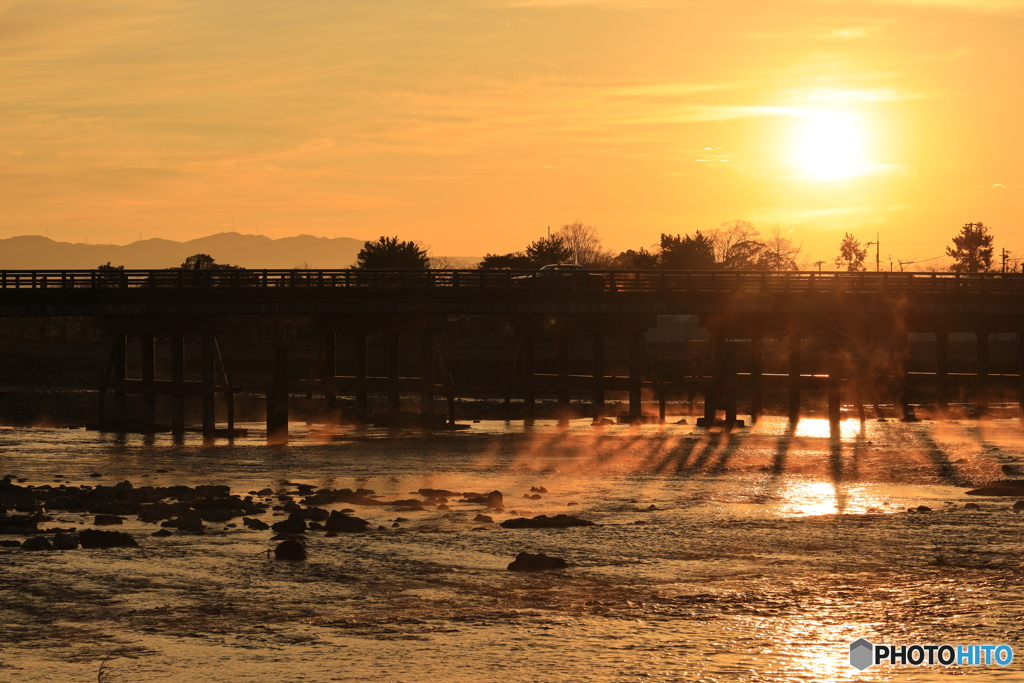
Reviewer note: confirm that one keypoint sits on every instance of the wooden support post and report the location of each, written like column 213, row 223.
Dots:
column 1020, row 372
column 635, row 373
column 427, row 373
column 902, row 350
column 208, row 364
column 756, row 372
column 277, row 400
column 394, row 371
column 228, row 384
column 729, row 384
column 861, row 368
column 942, row 371
column 599, row 374
column 529, row 390
column 794, row 375
column 563, row 375
column 329, row 372
column 148, row 379
column 834, row 375
column 119, row 375
column 714, row 391
column 178, row 385
column 362, row 399
column 982, row 378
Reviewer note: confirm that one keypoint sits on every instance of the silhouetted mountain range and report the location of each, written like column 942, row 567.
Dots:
column 34, row 252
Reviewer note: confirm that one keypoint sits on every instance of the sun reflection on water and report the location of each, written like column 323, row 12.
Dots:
column 821, row 428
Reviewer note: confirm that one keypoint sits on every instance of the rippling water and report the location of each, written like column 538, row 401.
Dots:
column 757, row 556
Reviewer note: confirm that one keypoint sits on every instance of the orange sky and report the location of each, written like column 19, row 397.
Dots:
column 472, row 125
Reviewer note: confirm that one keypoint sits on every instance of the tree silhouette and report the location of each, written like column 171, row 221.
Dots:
column 634, row 260
column 687, row 253
column 548, row 250
column 392, row 253
column 851, row 254
column 583, row 244
column 737, row 246
column 515, row 260
column 973, row 249
column 779, row 253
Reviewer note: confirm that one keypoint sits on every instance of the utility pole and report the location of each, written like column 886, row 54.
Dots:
column 819, row 264
column 878, row 246
column 1005, row 256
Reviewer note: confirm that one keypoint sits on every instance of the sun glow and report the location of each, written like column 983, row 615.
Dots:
column 831, row 146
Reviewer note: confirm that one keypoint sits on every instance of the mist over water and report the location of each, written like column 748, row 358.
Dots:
column 755, row 556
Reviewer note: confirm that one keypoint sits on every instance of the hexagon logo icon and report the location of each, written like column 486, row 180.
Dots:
column 862, row 654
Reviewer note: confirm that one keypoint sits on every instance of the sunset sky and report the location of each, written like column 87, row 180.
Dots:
column 472, row 125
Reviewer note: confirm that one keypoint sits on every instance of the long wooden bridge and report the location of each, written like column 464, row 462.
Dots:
column 862, row 320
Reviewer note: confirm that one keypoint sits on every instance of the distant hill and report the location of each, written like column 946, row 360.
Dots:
column 34, row 252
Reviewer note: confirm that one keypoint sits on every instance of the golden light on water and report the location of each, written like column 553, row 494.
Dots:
column 820, row 428
column 831, row 146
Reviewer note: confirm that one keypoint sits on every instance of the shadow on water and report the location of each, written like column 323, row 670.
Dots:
column 778, row 466
column 835, row 448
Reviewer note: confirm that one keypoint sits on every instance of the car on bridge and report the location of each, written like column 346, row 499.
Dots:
column 561, row 275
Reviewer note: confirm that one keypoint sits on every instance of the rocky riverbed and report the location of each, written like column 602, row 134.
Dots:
column 756, row 556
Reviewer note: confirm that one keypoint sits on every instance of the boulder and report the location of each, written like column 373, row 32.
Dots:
column 293, row 525
column 290, row 550
column 528, row 562
column 255, row 524
column 1019, row 505
column 545, row 522
column 37, row 543
column 163, row 533
column 10, row 544
column 94, row 538
column 484, row 519
column 972, row 506
column 107, row 520
column 65, row 541
column 339, row 521
column 495, row 500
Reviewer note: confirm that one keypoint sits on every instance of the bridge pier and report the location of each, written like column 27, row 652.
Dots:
column 635, row 342
column 834, row 375
column 756, row 379
column 982, row 372
column 148, row 387
column 598, row 374
column 563, row 375
column 392, row 383
column 794, row 375
column 277, row 399
column 942, row 371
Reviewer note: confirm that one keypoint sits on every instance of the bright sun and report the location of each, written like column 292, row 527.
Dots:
column 830, row 147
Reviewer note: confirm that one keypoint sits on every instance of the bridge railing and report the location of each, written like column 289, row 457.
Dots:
column 678, row 281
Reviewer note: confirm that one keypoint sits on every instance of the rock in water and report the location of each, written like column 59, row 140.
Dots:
column 290, row 550
column 108, row 520
column 64, row 541
column 339, row 521
column 545, row 522
column 37, row 543
column 528, row 562
column 486, row 519
column 255, row 524
column 495, row 500
column 94, row 538
column 293, row 525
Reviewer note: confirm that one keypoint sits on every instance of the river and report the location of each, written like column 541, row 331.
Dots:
column 753, row 556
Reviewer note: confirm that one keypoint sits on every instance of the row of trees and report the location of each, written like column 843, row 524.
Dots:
column 972, row 251
column 736, row 245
